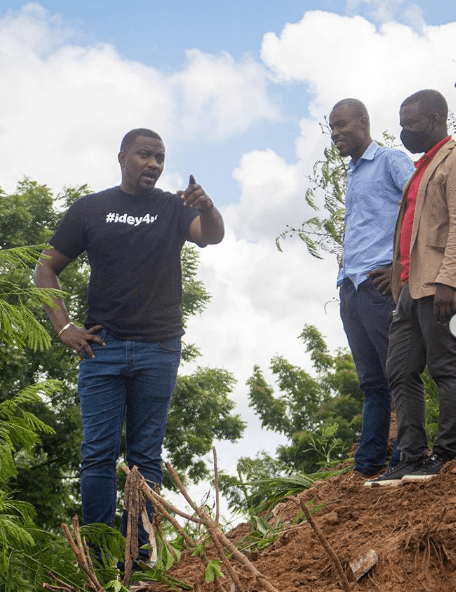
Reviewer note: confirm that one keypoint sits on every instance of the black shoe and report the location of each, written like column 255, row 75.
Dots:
column 403, row 467
column 432, row 464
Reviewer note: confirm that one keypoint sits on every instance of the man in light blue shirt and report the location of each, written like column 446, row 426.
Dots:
column 375, row 179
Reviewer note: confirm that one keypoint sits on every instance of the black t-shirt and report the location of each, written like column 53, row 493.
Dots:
column 133, row 244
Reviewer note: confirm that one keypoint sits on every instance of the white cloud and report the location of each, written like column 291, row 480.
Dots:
column 32, row 31
column 355, row 59
column 270, row 190
column 65, row 107
column 261, row 299
column 213, row 92
column 383, row 11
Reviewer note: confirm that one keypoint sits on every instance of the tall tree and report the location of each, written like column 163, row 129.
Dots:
column 320, row 414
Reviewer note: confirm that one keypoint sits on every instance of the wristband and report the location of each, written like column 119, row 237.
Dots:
column 64, row 328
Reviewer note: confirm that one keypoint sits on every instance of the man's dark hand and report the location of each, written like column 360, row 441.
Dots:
column 381, row 278
column 195, row 196
column 78, row 338
column 444, row 304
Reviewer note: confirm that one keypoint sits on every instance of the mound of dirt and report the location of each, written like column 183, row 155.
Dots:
column 411, row 529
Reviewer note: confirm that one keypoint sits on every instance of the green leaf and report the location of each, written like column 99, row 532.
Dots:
column 213, row 571
column 158, row 575
column 116, row 586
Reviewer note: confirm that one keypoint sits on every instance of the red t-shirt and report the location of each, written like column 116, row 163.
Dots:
column 407, row 223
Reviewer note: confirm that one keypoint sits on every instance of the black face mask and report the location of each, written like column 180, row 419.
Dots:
column 416, row 141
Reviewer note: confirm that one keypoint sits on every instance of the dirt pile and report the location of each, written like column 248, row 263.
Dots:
column 411, row 528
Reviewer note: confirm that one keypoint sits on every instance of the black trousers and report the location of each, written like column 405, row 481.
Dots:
column 417, row 341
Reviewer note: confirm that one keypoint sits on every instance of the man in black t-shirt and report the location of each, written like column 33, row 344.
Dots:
column 130, row 345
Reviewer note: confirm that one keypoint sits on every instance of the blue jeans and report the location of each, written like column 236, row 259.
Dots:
column 125, row 379
column 366, row 316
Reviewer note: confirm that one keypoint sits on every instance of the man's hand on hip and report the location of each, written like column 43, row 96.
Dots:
column 381, row 278
column 78, row 338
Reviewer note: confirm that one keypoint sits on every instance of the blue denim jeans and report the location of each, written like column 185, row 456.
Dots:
column 366, row 316
column 132, row 380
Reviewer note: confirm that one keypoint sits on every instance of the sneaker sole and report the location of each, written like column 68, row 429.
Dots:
column 384, row 483
column 412, row 478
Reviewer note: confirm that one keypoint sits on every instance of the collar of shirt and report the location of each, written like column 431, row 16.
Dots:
column 369, row 154
column 426, row 158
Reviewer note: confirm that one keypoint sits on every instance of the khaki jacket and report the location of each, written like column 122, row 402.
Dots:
column 433, row 244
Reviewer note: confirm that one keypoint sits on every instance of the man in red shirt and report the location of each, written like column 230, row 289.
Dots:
column 424, row 286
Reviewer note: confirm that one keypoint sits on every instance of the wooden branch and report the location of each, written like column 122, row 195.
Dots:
column 80, row 549
column 324, row 542
column 133, row 505
column 61, row 585
column 215, row 532
column 233, row 575
column 159, row 503
column 153, row 496
column 217, row 489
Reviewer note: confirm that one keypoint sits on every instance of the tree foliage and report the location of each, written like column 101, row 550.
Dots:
column 28, row 554
column 320, row 414
column 323, row 233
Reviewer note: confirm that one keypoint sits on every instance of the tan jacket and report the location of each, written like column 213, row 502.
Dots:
column 433, row 244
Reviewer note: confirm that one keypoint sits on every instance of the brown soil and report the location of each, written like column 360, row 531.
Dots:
column 412, row 529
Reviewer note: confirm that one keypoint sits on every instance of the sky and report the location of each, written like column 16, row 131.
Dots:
column 237, row 91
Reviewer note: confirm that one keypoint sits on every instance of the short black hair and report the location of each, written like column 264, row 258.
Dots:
column 130, row 138
column 359, row 108
column 431, row 102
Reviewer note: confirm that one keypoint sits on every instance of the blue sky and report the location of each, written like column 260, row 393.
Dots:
column 237, row 90
column 159, row 32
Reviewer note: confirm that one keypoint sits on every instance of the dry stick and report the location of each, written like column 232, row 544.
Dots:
column 78, row 550
column 227, row 564
column 160, row 503
column 439, row 522
column 133, row 506
column 85, row 554
column 324, row 542
column 215, row 532
column 219, row 547
column 77, row 533
column 216, row 482
column 128, row 559
column 375, row 583
column 61, row 584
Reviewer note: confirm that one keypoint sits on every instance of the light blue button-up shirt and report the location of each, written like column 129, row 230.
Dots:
column 374, row 189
